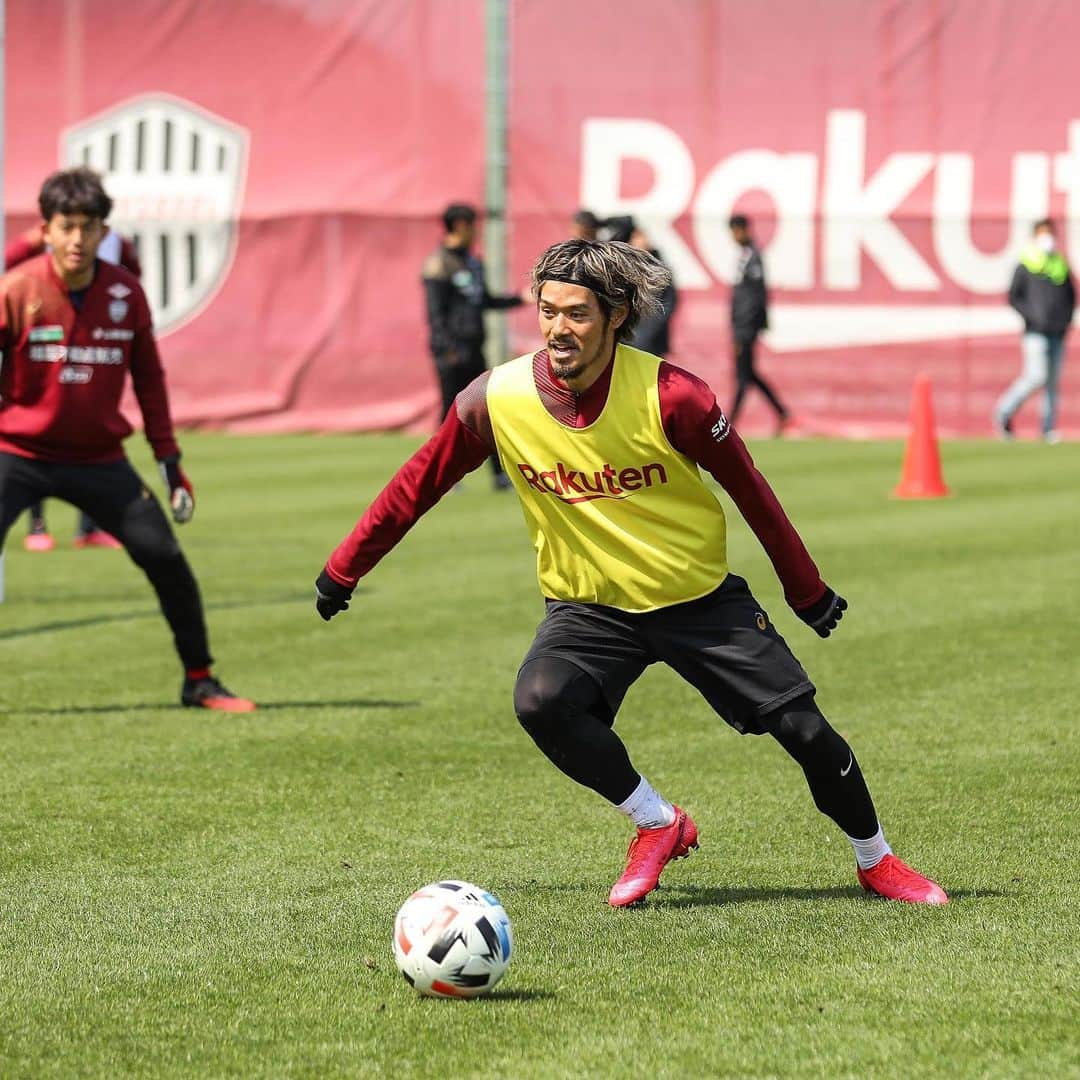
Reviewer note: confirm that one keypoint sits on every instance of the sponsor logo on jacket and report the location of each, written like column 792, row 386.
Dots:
column 46, row 333
column 721, row 429
column 76, row 354
column 586, row 485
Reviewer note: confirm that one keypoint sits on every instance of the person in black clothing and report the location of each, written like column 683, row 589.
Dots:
column 653, row 333
column 584, row 225
column 457, row 297
column 749, row 316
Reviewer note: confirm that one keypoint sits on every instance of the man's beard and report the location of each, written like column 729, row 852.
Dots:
column 568, row 369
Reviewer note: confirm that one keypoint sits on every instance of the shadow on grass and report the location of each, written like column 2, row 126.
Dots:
column 515, row 995
column 74, row 624
column 685, row 896
column 154, row 613
column 354, row 703
column 688, row 896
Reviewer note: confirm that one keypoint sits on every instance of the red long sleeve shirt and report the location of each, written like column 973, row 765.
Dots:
column 64, row 370
column 695, row 426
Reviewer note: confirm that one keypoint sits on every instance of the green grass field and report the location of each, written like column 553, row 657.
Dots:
column 191, row 894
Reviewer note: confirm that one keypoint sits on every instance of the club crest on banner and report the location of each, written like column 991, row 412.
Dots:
column 176, row 176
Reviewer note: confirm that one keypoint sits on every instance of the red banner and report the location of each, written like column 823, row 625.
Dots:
column 311, row 147
column 283, row 165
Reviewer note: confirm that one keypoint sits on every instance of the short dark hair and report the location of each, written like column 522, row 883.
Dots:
column 1043, row 223
column 74, row 191
column 456, row 212
column 738, row 221
column 587, row 219
column 619, row 228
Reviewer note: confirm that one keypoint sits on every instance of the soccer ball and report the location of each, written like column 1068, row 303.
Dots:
column 452, row 939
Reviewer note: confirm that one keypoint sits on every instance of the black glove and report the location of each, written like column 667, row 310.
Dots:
column 330, row 597
column 823, row 616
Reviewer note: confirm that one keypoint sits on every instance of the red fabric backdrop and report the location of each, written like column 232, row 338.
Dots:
column 892, row 155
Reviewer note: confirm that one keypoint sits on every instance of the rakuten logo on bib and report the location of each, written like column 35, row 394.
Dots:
column 830, row 214
column 580, row 485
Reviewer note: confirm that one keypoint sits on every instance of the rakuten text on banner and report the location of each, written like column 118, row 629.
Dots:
column 893, row 164
column 892, row 157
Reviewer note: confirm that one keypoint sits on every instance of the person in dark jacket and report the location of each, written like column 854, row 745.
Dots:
column 457, row 297
column 749, row 316
column 584, row 225
column 653, row 333
column 1042, row 292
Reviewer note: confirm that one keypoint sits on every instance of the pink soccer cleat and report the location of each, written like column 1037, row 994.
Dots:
column 895, row 880
column 649, row 852
column 39, row 541
column 97, row 538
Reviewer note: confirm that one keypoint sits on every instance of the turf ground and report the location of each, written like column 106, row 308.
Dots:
column 189, row 894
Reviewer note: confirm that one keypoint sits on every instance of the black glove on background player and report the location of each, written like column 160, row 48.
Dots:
column 330, row 597
column 823, row 616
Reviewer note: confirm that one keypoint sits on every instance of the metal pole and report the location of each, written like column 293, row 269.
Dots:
column 495, row 167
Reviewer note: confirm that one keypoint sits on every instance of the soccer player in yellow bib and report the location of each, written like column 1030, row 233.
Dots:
column 604, row 445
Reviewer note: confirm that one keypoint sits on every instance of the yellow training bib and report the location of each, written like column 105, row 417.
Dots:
column 617, row 515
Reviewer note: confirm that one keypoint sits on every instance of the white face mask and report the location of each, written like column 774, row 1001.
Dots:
column 1046, row 241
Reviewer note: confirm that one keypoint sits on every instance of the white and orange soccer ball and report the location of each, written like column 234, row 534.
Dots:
column 452, row 939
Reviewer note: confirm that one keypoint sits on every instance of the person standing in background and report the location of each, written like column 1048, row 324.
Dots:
column 456, row 292
column 1042, row 291
column 583, row 225
column 749, row 316
column 653, row 332
column 119, row 251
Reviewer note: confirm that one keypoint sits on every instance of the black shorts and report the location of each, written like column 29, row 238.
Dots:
column 113, row 495
column 724, row 645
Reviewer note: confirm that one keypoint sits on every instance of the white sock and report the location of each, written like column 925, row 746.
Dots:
column 647, row 808
column 868, row 853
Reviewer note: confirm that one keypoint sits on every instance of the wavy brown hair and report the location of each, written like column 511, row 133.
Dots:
column 617, row 274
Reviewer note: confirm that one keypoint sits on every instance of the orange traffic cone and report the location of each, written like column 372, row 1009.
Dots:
column 921, row 476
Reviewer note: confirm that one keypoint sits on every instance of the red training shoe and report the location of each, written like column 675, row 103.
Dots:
column 97, row 538
column 209, row 693
column 895, row 880
column 649, row 852
column 39, row 541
